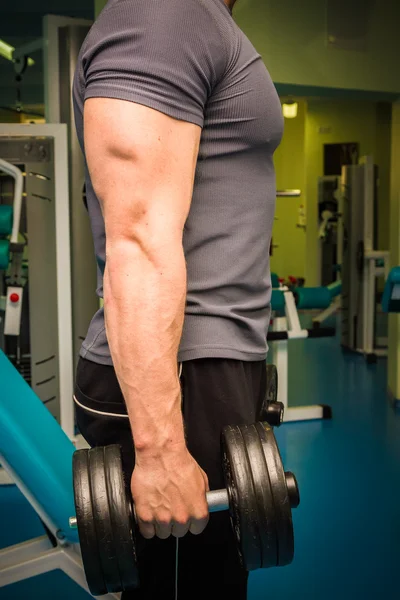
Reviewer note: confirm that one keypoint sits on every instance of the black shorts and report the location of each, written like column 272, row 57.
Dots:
column 215, row 393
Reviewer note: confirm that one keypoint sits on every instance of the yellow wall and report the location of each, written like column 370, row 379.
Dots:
column 382, row 159
column 289, row 257
column 394, row 320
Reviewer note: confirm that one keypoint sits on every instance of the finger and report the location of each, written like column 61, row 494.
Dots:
column 163, row 530
column 197, row 526
column 179, row 530
column 147, row 529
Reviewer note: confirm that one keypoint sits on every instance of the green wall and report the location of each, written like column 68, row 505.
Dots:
column 289, row 257
column 291, row 37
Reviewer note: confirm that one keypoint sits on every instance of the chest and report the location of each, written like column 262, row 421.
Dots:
column 244, row 110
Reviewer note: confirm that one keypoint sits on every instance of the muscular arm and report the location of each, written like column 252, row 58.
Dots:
column 142, row 165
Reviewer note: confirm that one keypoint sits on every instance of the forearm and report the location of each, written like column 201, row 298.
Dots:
column 144, row 301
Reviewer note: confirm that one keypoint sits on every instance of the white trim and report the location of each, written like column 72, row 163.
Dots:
column 100, row 412
column 15, row 172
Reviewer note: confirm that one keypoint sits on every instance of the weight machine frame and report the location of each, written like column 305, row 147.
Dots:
column 360, row 269
column 58, row 132
column 285, row 328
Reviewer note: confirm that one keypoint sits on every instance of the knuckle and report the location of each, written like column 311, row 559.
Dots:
column 202, row 515
column 163, row 519
column 182, row 519
column 145, row 517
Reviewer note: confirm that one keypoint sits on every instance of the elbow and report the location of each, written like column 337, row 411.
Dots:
column 142, row 233
column 139, row 246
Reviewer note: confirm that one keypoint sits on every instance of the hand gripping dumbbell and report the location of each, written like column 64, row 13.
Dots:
column 259, row 495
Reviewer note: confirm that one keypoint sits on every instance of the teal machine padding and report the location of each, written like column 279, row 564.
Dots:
column 4, row 255
column 308, row 298
column 274, row 280
column 391, row 293
column 335, row 288
column 278, row 301
column 36, row 448
column 317, row 297
column 6, row 219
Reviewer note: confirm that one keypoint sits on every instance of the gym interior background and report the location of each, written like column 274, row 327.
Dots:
column 335, row 67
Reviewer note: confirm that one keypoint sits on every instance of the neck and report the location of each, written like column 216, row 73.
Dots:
column 230, row 3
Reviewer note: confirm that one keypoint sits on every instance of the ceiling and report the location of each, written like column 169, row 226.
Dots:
column 22, row 26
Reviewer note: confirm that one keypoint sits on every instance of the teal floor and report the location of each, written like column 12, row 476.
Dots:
column 348, row 524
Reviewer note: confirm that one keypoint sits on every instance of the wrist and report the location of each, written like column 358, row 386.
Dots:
column 161, row 438
column 157, row 454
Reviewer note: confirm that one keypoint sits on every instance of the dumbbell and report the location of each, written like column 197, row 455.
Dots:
column 259, row 495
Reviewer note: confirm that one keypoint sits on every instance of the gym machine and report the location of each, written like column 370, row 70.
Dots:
column 285, row 327
column 330, row 232
column 35, row 283
column 324, row 298
column 92, row 502
column 362, row 263
column 60, row 45
column 391, row 294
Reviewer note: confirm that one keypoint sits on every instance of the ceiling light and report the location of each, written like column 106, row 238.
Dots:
column 290, row 109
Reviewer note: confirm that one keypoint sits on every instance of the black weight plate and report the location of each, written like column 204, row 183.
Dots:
column 263, row 495
column 85, row 523
column 283, row 512
column 242, row 502
column 102, row 520
column 121, row 515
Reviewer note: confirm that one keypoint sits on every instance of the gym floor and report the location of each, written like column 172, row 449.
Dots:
column 348, row 524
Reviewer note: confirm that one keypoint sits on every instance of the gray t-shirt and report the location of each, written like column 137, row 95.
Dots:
column 189, row 60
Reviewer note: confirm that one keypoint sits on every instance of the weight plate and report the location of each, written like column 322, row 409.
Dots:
column 85, row 523
column 242, row 502
column 263, row 496
column 283, row 512
column 102, row 520
column 121, row 515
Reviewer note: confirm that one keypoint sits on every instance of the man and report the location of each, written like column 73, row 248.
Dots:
column 178, row 120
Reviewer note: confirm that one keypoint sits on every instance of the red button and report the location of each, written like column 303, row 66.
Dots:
column 14, row 298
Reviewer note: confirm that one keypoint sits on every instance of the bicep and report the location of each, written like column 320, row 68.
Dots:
column 142, row 165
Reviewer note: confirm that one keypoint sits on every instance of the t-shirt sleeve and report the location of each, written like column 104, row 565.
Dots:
column 165, row 54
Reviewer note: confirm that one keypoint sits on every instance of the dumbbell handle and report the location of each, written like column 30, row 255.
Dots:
column 217, row 501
